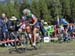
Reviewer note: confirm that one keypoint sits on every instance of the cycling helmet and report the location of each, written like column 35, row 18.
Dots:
column 26, row 11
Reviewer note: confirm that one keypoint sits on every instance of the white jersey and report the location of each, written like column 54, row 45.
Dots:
column 61, row 28
column 23, row 26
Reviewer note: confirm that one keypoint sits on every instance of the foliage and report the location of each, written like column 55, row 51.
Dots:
column 43, row 9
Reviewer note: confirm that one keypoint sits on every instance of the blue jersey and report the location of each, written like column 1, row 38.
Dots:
column 64, row 22
column 1, row 22
column 3, row 25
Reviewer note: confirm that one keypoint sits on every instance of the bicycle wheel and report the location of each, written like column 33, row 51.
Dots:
column 15, row 44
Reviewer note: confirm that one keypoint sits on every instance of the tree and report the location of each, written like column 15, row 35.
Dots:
column 24, row 5
column 35, row 8
column 73, row 9
column 44, row 10
column 56, row 8
column 65, row 7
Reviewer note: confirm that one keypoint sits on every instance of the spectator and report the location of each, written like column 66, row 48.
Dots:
column 4, row 21
column 12, row 25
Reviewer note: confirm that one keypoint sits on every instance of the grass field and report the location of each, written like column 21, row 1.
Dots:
column 46, row 49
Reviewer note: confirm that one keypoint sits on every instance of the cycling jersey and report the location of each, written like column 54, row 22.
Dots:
column 28, row 19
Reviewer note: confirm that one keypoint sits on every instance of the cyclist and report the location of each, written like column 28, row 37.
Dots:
column 28, row 19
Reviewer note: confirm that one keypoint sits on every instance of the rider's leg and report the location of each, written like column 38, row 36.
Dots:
column 28, row 29
column 29, row 33
column 34, row 35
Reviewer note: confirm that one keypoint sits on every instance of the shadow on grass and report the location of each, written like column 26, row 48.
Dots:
column 20, row 50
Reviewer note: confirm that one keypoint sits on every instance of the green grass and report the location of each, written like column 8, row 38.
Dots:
column 2, row 49
column 46, row 49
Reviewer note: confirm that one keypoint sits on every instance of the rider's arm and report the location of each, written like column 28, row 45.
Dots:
column 34, row 19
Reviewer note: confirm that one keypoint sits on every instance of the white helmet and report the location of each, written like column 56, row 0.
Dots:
column 26, row 11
